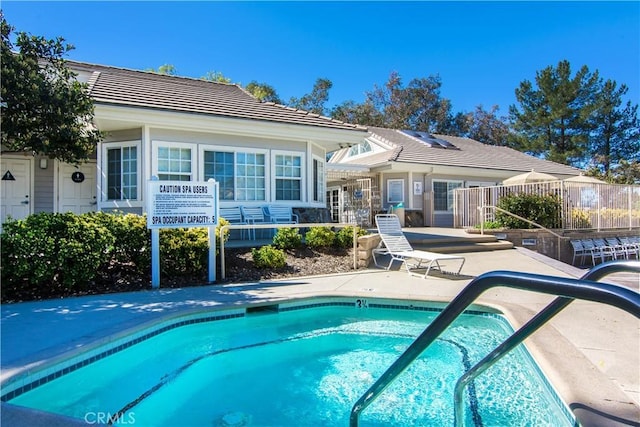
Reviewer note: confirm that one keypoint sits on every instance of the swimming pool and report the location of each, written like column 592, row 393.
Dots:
column 298, row 363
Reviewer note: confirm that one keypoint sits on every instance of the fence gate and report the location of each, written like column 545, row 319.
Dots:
column 360, row 201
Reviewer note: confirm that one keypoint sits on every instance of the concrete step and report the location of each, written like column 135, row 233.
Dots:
column 452, row 244
column 469, row 247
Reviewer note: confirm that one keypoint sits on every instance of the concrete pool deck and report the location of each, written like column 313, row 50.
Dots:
column 590, row 352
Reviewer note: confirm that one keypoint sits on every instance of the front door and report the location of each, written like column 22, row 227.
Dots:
column 15, row 188
column 77, row 188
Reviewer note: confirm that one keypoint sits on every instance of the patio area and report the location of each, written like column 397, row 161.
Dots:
column 589, row 351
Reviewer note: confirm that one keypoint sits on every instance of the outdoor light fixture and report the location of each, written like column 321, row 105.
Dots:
column 43, row 163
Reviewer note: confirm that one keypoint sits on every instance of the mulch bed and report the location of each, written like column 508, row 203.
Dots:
column 239, row 268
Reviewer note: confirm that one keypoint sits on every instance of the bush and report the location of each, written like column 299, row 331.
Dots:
column 221, row 223
column 287, row 238
column 184, row 251
column 490, row 225
column 268, row 257
column 132, row 243
column 544, row 210
column 344, row 237
column 319, row 237
column 580, row 219
column 61, row 250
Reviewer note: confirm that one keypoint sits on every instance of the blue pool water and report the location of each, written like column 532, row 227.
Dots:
column 303, row 367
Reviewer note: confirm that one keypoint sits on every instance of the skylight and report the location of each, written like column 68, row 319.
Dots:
column 430, row 140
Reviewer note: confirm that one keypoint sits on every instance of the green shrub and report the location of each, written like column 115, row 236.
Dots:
column 490, row 225
column 268, row 257
column 184, row 251
column 319, row 237
column 132, row 237
column 62, row 250
column 221, row 223
column 287, row 238
column 544, row 210
column 344, row 237
column 580, row 219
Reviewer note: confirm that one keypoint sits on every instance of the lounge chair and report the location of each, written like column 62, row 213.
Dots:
column 395, row 244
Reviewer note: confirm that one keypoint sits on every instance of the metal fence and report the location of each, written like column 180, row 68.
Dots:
column 584, row 206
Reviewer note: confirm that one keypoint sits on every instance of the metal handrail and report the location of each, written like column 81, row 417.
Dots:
column 568, row 289
column 524, row 332
column 483, row 208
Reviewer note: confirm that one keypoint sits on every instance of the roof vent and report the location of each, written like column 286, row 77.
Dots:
column 430, row 140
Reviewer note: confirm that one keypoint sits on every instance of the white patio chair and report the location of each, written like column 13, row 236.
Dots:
column 253, row 215
column 279, row 214
column 234, row 216
column 395, row 244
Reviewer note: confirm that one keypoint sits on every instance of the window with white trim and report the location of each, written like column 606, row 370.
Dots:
column 443, row 195
column 319, row 193
column 241, row 175
column 250, row 176
column 174, row 163
column 395, row 190
column 122, row 175
column 288, row 176
column 356, row 150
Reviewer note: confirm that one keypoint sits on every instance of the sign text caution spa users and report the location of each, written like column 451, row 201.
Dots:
column 181, row 204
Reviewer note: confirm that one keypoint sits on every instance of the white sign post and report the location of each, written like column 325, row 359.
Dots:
column 174, row 204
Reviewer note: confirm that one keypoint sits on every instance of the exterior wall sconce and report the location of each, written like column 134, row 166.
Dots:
column 44, row 163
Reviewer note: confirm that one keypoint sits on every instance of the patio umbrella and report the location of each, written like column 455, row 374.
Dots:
column 528, row 178
column 584, row 179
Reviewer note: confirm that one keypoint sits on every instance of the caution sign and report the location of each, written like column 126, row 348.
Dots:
column 8, row 176
column 182, row 204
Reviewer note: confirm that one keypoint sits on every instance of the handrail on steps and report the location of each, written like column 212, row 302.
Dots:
column 484, row 208
column 567, row 290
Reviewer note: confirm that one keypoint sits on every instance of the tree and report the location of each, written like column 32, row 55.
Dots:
column 314, row 101
column 616, row 128
column 417, row 106
column 263, row 92
column 45, row 110
column 623, row 172
column 487, row 127
column 554, row 118
column 216, row 76
column 166, row 69
column 363, row 114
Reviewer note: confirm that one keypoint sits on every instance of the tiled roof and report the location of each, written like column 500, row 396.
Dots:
column 469, row 153
column 111, row 85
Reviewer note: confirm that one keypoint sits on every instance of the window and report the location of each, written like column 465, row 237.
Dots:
column 219, row 165
column 395, row 190
column 241, row 175
column 318, row 181
column 363, row 147
column 122, row 171
column 288, row 176
column 250, row 173
column 443, row 195
column 174, row 163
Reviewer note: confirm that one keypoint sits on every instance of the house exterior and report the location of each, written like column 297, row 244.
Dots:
column 180, row 128
column 420, row 171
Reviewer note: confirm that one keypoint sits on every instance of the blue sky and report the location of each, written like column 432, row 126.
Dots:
column 480, row 50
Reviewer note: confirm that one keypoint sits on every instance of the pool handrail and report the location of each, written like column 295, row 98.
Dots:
column 585, row 288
